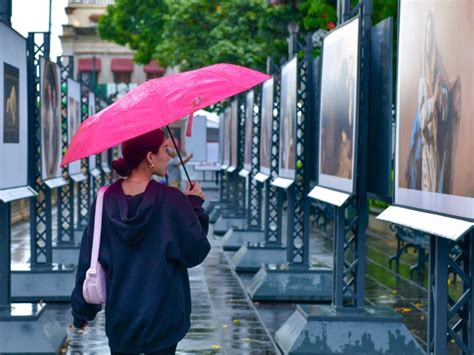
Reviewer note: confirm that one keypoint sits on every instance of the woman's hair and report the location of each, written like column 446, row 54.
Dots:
column 134, row 151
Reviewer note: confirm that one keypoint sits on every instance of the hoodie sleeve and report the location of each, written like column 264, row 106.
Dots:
column 81, row 310
column 192, row 223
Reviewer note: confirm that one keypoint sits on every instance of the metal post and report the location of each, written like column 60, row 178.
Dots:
column 338, row 265
column 254, row 216
column 343, row 11
column 273, row 208
column 6, row 12
column 5, row 254
column 40, row 208
column 438, row 295
column 298, row 204
column 66, row 193
column 84, row 198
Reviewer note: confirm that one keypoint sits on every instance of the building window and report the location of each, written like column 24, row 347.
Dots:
column 122, row 77
column 122, row 69
column 153, row 70
column 86, row 67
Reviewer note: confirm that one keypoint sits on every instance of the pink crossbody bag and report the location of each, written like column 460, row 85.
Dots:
column 93, row 290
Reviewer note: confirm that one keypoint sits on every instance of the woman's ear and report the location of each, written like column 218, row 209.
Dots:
column 149, row 158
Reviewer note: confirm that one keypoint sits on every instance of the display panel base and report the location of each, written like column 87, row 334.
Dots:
column 251, row 256
column 291, row 283
column 26, row 328
column 223, row 224
column 66, row 252
column 234, row 238
column 42, row 283
column 323, row 329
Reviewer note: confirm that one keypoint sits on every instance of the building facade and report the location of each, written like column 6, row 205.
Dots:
column 111, row 63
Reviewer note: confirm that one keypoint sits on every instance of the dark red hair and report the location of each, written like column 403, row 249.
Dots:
column 134, row 151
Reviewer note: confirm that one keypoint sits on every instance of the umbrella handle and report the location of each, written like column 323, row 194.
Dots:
column 179, row 155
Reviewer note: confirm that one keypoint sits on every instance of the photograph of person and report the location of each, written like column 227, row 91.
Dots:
column 234, row 134
column 249, row 100
column 227, row 139
column 73, row 118
column 11, row 106
column 338, row 109
column 50, row 120
column 266, row 127
column 288, row 120
column 434, row 166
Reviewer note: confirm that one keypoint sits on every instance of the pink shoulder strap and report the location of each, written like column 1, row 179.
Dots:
column 97, row 227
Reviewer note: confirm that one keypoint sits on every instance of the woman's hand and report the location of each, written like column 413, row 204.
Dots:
column 196, row 191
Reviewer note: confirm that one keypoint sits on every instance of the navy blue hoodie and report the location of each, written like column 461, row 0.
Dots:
column 145, row 252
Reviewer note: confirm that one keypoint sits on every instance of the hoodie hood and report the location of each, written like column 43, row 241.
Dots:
column 131, row 225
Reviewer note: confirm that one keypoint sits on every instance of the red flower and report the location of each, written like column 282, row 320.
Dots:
column 330, row 25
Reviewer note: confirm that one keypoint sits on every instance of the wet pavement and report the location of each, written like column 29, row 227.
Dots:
column 224, row 321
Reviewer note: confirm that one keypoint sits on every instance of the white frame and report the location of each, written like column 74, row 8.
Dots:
column 74, row 93
column 248, row 147
column 266, row 124
column 290, row 68
column 14, row 156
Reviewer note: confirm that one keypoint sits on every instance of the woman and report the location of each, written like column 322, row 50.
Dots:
column 151, row 234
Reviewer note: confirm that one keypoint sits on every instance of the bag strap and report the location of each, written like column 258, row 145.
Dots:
column 99, row 205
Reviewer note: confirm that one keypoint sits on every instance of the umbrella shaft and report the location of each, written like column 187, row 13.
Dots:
column 179, row 155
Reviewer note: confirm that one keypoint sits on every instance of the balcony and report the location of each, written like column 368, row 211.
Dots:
column 91, row 2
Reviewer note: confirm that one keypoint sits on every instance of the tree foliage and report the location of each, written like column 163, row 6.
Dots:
column 195, row 33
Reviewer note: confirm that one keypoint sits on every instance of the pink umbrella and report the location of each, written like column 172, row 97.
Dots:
column 157, row 103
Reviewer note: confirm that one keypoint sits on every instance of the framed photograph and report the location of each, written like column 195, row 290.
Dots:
column 227, row 141
column 50, row 97
column 266, row 127
column 11, row 99
column 288, row 96
column 434, row 167
column 13, row 110
column 73, row 118
column 339, row 108
column 249, row 101
column 234, row 134
column 92, row 111
column 221, row 139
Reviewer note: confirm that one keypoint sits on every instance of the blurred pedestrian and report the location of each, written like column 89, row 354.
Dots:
column 151, row 234
column 174, row 164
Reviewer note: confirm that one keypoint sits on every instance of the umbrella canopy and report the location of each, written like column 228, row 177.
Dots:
column 158, row 103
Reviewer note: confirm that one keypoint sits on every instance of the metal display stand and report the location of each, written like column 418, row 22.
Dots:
column 234, row 215
column 41, row 279
column 66, row 247
column 296, row 280
column 251, row 255
column 348, row 326
column 252, row 231
column 24, row 327
column 451, row 250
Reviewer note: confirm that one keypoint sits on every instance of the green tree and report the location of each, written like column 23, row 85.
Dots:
column 136, row 24
column 195, row 33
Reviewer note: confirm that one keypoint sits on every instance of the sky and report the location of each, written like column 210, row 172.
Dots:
column 33, row 15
